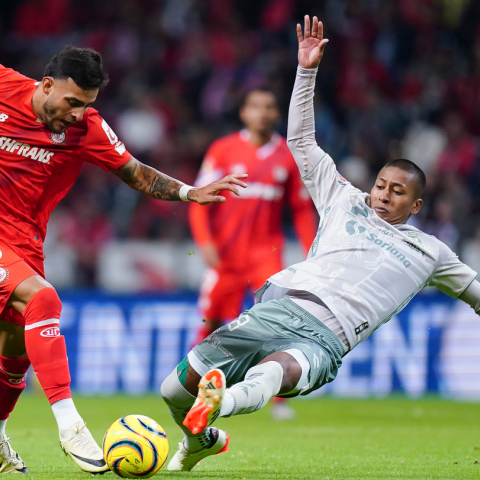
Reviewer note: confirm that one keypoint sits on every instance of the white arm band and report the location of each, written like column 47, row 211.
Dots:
column 472, row 296
column 182, row 193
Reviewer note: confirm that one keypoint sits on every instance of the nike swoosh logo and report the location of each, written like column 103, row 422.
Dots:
column 95, row 463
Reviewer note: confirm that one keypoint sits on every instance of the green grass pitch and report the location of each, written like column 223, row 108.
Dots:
column 331, row 439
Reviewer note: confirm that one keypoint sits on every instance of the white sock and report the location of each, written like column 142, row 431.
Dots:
column 65, row 413
column 261, row 383
column 2, row 426
column 228, row 404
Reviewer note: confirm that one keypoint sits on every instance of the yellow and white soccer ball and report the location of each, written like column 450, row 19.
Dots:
column 135, row 446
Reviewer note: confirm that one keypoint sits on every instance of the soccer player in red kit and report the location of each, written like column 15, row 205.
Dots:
column 242, row 244
column 47, row 131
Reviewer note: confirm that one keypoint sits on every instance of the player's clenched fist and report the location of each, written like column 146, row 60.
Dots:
column 210, row 193
column 311, row 44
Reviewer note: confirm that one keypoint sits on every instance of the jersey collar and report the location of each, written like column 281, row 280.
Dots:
column 265, row 150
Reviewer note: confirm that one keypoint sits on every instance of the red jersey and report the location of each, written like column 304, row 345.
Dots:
column 248, row 229
column 38, row 168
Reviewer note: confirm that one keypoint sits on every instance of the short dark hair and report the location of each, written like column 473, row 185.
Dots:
column 261, row 89
column 415, row 170
column 83, row 65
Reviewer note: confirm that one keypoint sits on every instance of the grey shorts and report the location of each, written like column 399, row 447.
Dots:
column 267, row 328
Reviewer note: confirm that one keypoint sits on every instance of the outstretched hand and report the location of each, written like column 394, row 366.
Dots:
column 210, row 193
column 311, row 45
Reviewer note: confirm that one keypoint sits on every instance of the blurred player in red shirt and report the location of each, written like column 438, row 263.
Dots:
column 47, row 132
column 243, row 243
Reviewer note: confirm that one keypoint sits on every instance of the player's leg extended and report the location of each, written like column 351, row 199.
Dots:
column 13, row 370
column 179, row 390
column 40, row 305
column 276, row 374
column 276, row 348
column 279, row 373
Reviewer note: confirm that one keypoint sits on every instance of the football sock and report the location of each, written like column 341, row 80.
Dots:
column 13, row 372
column 65, row 413
column 45, row 346
column 2, row 426
column 261, row 383
column 179, row 402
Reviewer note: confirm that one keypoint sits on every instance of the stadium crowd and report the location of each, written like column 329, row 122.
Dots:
column 402, row 79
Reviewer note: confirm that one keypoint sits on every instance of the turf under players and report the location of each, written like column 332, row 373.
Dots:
column 47, row 131
column 363, row 267
column 242, row 242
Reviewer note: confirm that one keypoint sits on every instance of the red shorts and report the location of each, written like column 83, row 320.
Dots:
column 13, row 271
column 223, row 290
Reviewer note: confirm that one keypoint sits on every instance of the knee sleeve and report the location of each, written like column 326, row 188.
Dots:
column 174, row 394
column 43, row 309
column 178, row 400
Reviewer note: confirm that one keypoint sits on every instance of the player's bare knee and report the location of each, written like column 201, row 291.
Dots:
column 292, row 373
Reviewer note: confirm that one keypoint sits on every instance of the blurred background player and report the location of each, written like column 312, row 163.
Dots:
column 242, row 244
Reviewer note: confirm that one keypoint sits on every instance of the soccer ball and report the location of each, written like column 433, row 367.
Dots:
column 135, row 446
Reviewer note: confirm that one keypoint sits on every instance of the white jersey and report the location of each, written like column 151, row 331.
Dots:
column 364, row 269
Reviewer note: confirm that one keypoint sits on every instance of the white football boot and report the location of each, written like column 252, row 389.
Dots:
column 10, row 461
column 77, row 441
column 206, row 408
column 183, row 460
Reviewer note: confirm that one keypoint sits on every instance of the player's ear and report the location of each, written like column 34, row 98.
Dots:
column 417, row 205
column 241, row 114
column 47, row 84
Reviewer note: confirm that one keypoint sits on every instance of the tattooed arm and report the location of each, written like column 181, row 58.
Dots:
column 156, row 184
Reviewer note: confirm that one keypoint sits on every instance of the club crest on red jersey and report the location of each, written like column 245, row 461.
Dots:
column 58, row 138
column 4, row 275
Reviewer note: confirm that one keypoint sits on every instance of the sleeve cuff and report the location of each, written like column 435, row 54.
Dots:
column 307, row 71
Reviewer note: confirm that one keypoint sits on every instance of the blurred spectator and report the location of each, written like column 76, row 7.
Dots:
column 442, row 225
column 461, row 152
column 423, row 144
column 86, row 230
column 141, row 126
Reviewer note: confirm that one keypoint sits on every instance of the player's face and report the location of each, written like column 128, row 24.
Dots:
column 260, row 112
column 65, row 103
column 394, row 197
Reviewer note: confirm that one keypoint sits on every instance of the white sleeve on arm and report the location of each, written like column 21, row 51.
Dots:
column 472, row 296
column 451, row 276
column 316, row 167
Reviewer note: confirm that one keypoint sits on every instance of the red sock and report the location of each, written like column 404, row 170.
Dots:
column 13, row 372
column 279, row 399
column 45, row 346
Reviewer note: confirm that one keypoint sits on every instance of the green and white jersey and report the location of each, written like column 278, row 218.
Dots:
column 364, row 269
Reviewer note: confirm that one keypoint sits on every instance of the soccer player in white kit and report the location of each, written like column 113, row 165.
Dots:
column 365, row 264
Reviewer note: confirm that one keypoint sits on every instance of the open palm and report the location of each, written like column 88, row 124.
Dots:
column 311, row 45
